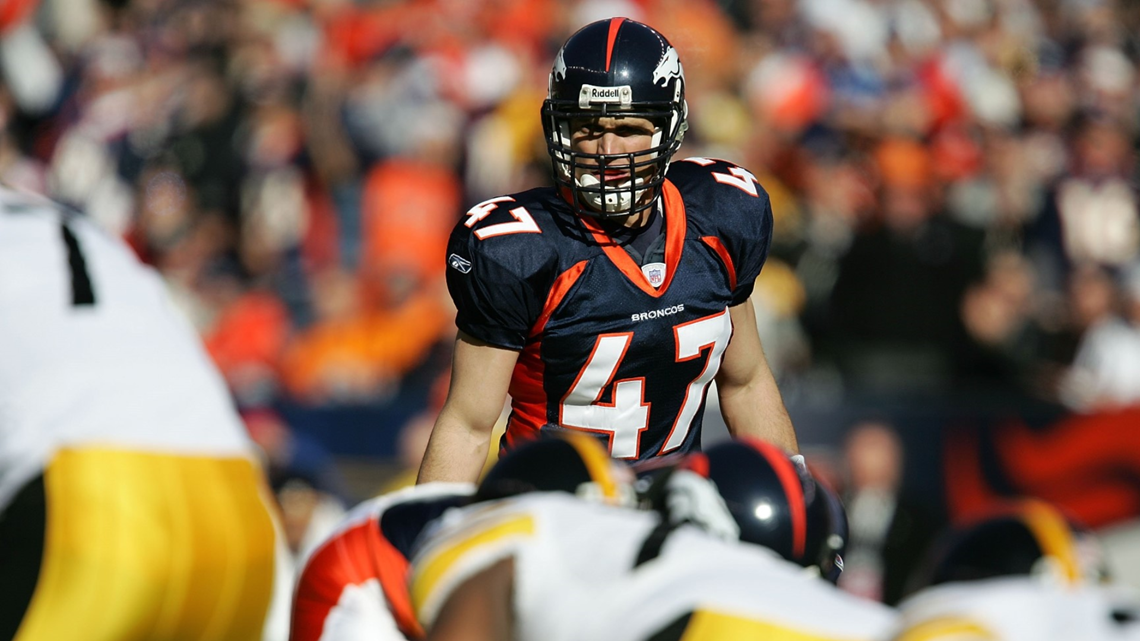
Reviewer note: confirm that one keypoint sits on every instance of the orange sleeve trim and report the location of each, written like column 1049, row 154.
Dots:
column 722, row 251
column 356, row 555
column 558, row 291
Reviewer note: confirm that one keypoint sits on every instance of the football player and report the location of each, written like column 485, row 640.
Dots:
column 609, row 302
column 1023, row 573
column 354, row 585
column 718, row 559
column 131, row 502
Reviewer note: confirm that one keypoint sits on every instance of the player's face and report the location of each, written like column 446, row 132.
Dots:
column 612, row 136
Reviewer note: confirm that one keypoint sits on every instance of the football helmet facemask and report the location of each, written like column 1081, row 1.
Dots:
column 616, row 68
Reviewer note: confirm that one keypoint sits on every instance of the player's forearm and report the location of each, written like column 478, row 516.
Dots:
column 455, row 452
column 757, row 410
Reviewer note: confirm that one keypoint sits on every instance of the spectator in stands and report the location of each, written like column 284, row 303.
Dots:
column 888, row 533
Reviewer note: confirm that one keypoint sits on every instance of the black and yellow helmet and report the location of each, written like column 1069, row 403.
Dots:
column 1028, row 537
column 563, row 462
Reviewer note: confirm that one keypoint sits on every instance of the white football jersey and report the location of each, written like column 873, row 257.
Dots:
column 1019, row 609
column 93, row 352
column 576, row 577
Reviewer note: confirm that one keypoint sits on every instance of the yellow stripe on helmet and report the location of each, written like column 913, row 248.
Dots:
column 598, row 464
column 1054, row 536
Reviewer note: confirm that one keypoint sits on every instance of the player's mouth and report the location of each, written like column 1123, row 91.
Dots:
column 613, row 175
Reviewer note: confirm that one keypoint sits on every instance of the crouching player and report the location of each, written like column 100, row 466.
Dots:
column 734, row 549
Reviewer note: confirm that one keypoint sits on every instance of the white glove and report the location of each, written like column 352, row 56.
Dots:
column 694, row 498
column 798, row 459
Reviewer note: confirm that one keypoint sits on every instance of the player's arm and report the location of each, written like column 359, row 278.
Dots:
column 480, row 378
column 750, row 401
column 479, row 609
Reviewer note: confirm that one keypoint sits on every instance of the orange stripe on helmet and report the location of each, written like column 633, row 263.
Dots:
column 615, row 25
column 790, row 480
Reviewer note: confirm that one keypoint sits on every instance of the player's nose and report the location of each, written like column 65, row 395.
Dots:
column 610, row 143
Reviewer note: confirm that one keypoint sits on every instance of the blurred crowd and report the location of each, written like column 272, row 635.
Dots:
column 954, row 182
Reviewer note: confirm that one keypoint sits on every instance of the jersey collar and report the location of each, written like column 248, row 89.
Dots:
column 675, row 227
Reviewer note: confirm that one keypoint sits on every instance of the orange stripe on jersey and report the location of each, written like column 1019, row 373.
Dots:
column 722, row 251
column 558, row 291
column 675, row 227
column 528, row 396
column 353, row 557
column 615, row 25
column 789, row 479
column 394, row 570
column 698, row 463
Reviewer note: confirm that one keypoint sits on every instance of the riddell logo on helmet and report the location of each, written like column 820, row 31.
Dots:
column 593, row 95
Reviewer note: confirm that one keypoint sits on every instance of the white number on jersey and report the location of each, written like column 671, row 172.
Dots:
column 738, row 177
column 627, row 415
column 524, row 221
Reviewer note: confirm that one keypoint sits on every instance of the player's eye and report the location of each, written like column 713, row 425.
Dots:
column 633, row 130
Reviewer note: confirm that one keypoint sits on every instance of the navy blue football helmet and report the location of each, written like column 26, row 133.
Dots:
column 775, row 504
column 616, row 67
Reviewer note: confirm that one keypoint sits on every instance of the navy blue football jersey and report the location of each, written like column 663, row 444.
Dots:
column 607, row 346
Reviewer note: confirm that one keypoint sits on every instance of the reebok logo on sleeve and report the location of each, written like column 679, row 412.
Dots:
column 459, row 264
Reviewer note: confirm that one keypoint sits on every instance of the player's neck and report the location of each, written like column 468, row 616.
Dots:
column 640, row 219
column 636, row 221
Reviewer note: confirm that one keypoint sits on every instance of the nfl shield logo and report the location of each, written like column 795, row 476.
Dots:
column 655, row 273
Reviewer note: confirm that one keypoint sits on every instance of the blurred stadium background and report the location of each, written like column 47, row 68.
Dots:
column 952, row 302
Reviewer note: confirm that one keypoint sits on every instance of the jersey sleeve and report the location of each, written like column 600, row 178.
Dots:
column 496, row 284
column 745, row 224
column 736, row 216
column 752, row 246
column 342, row 589
column 463, row 546
column 354, row 585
